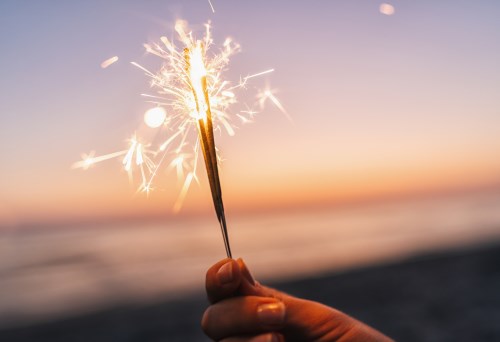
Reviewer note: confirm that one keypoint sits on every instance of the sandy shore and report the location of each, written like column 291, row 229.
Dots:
column 445, row 296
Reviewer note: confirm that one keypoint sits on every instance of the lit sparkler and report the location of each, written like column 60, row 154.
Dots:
column 192, row 101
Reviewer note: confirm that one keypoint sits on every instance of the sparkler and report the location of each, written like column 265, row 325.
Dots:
column 190, row 85
column 193, row 55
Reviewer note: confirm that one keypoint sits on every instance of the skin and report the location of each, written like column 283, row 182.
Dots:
column 243, row 310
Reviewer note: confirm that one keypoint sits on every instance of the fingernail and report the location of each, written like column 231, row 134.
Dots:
column 271, row 313
column 225, row 273
column 265, row 338
column 246, row 273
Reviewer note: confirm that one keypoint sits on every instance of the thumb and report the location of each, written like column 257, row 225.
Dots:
column 307, row 320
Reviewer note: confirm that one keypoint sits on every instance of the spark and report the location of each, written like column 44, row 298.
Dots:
column 88, row 159
column 109, row 61
column 183, row 193
column 259, row 74
column 211, row 6
column 268, row 94
column 247, row 116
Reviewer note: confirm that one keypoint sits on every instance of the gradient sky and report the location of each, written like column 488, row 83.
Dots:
column 382, row 105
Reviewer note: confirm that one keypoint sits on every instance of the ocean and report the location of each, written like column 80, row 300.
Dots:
column 48, row 274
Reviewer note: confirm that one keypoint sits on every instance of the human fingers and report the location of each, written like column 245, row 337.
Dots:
column 305, row 320
column 222, row 280
column 271, row 337
column 312, row 321
column 239, row 316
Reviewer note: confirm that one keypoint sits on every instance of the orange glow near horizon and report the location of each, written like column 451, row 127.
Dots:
column 263, row 190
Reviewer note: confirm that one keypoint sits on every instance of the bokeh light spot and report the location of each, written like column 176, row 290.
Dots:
column 155, row 117
column 386, row 9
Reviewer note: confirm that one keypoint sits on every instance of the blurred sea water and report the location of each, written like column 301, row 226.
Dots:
column 47, row 274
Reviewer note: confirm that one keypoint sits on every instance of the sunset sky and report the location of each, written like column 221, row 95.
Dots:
column 382, row 105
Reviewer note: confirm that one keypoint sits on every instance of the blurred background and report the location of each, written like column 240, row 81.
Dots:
column 382, row 198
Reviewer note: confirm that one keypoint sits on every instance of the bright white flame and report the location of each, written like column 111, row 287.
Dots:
column 155, row 117
column 197, row 74
column 386, row 9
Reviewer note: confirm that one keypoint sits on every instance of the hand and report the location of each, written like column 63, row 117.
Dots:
column 243, row 310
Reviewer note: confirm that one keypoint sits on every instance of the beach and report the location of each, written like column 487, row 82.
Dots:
column 447, row 296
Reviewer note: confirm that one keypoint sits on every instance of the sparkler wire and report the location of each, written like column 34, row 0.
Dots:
column 207, row 141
